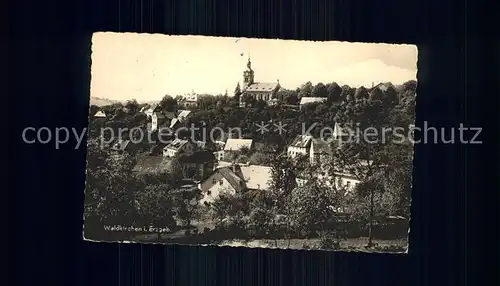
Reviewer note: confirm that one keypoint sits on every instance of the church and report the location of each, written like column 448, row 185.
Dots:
column 258, row 90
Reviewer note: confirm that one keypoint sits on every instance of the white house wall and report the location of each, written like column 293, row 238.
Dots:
column 212, row 187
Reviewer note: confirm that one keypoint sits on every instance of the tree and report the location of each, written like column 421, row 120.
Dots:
column 260, row 104
column 377, row 94
column 306, row 90
column 176, row 169
column 132, row 106
column 242, row 159
column 259, row 158
column 319, row 90
column 347, row 94
column 118, row 115
column 237, row 92
column 155, row 206
column 391, row 97
column 168, row 104
column 228, row 206
column 261, row 216
column 361, row 93
column 110, row 185
column 288, row 96
column 334, row 92
column 364, row 155
column 187, row 204
column 248, row 100
column 284, row 173
column 138, row 119
column 314, row 202
column 410, row 85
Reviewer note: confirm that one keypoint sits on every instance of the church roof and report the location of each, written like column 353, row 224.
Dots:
column 262, row 87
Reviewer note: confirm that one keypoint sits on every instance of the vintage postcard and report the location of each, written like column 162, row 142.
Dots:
column 250, row 142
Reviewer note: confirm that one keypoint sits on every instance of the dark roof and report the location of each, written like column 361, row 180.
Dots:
column 199, row 157
column 152, row 164
column 233, row 179
column 236, row 182
column 167, row 115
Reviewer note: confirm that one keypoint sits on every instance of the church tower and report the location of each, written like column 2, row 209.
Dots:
column 248, row 75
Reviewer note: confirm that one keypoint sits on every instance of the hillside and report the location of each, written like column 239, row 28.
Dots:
column 101, row 101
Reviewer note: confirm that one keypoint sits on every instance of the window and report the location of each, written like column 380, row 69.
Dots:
column 348, row 185
column 209, row 193
column 214, row 181
column 221, row 182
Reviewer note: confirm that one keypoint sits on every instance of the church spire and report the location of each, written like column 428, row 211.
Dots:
column 249, row 63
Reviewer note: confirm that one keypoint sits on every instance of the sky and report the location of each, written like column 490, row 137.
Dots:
column 145, row 67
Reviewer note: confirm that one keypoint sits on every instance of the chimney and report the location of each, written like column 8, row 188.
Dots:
column 373, row 84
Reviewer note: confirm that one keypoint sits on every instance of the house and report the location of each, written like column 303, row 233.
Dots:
column 383, row 86
column 345, row 181
column 257, row 90
column 100, row 114
column 221, row 180
column 178, row 146
column 300, row 146
column 219, row 155
column 189, row 100
column 349, row 182
column 122, row 146
column 160, row 119
column 235, row 178
column 201, row 163
column 318, row 150
column 223, row 163
column 308, row 100
column 221, row 139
